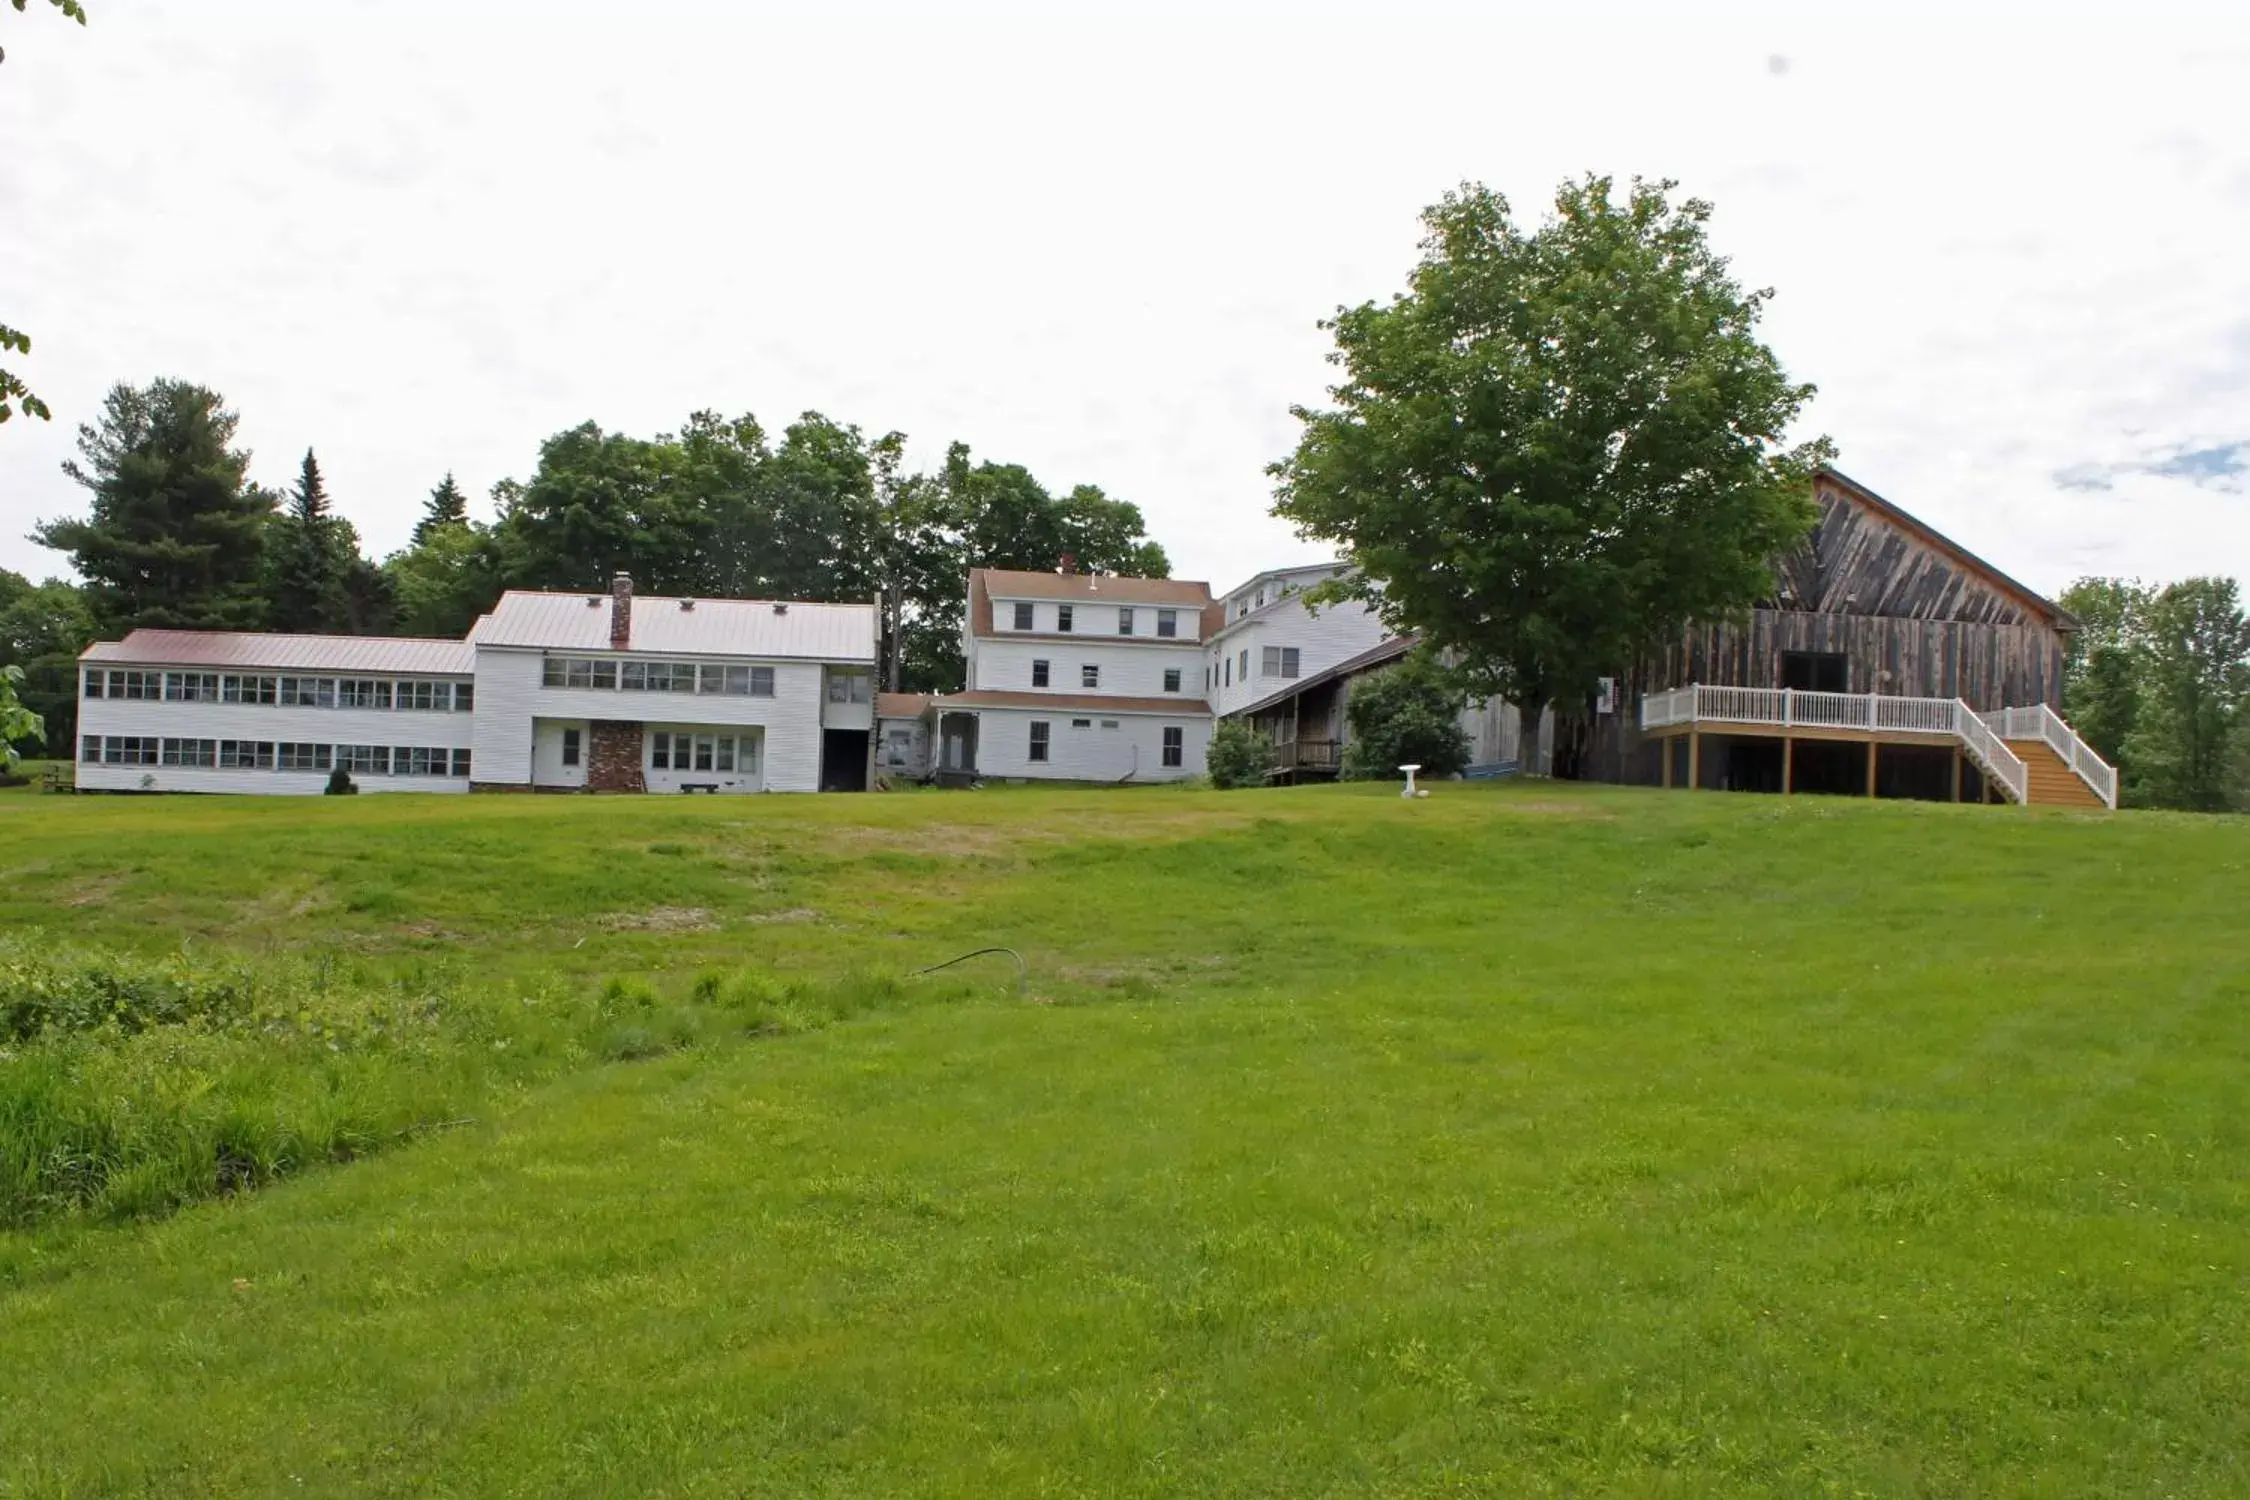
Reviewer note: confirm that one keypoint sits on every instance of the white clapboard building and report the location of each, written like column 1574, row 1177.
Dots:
column 550, row 691
column 1077, row 677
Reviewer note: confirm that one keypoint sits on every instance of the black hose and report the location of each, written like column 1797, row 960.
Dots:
column 1022, row 970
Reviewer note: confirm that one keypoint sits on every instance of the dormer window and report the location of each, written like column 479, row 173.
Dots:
column 1023, row 617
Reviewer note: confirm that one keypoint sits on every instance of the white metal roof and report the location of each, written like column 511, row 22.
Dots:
column 713, row 627
column 406, row 655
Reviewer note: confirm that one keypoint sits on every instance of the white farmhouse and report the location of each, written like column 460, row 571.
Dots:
column 1075, row 677
column 550, row 691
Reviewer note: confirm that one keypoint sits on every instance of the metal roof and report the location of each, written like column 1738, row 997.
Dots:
column 1008, row 583
column 664, row 625
column 408, row 655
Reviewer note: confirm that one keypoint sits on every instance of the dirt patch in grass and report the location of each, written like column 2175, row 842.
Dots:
column 95, row 892
column 660, row 919
column 793, row 914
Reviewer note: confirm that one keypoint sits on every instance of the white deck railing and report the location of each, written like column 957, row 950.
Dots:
column 2042, row 723
column 1788, row 708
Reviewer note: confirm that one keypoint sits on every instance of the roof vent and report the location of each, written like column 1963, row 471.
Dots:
column 780, row 608
column 686, row 605
column 593, row 601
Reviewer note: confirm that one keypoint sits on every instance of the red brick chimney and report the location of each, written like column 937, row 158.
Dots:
column 1069, row 563
column 621, row 612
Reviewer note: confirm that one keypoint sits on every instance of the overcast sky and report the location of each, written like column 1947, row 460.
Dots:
column 422, row 235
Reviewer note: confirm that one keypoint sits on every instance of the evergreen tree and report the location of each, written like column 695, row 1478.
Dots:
column 308, row 556
column 176, row 536
column 447, row 506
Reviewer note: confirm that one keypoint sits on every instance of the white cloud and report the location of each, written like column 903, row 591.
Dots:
column 421, row 236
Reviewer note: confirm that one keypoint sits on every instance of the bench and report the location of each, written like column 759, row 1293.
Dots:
column 699, row 786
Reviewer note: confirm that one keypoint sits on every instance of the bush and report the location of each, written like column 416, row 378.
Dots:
column 1239, row 756
column 1409, row 715
column 340, row 783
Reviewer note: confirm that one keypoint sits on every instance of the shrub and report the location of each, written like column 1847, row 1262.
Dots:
column 340, row 784
column 1408, row 715
column 1239, row 756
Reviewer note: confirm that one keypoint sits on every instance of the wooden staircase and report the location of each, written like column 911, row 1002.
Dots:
column 2052, row 783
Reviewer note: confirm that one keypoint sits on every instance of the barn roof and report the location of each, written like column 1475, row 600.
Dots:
column 684, row 627
column 1929, row 535
column 244, row 649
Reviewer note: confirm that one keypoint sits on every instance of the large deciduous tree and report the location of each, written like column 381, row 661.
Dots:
column 1558, row 447
column 2102, row 671
column 2194, row 696
column 176, row 533
column 43, row 627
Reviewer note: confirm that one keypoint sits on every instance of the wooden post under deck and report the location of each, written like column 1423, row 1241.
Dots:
column 1694, row 761
column 1872, row 747
column 1669, row 746
column 1956, row 773
column 1788, row 762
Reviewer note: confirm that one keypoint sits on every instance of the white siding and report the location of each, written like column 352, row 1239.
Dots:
column 509, row 698
column 1339, row 633
column 1098, row 619
column 1134, row 748
column 833, row 715
column 261, row 721
column 1127, row 671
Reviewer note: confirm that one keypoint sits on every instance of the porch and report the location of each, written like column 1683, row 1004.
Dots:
column 2025, row 755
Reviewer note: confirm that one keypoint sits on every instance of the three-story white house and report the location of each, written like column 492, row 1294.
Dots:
column 550, row 691
column 1270, row 638
column 1078, row 677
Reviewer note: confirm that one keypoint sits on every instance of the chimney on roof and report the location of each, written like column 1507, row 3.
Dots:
column 1069, row 564
column 620, row 611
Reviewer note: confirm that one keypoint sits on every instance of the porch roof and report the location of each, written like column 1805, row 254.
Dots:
column 1374, row 656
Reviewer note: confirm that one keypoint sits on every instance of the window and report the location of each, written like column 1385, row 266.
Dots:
column 290, row 757
column 660, row 751
column 1168, row 623
column 1124, row 622
column 725, row 762
column 249, row 689
column 148, row 685
column 1090, row 675
column 703, row 752
column 1175, row 745
column 461, row 764
column 1081, row 723
column 732, row 681
column 761, row 682
column 367, row 760
column 129, row 750
column 898, row 747
column 559, row 671
column 1062, row 618
column 90, row 747
column 418, row 760
column 191, row 753
column 191, row 687
column 1038, row 674
column 1226, row 672
column 308, row 692
column 570, row 747
column 363, row 692
column 464, row 698
column 1278, row 661
column 847, row 687
column 1023, row 616
column 1815, row 671
column 1039, row 728
column 1243, row 671
column 1171, row 679
column 246, row 755
column 94, row 690
column 1109, row 723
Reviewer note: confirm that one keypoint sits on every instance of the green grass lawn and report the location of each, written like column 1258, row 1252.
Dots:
column 1528, row 1139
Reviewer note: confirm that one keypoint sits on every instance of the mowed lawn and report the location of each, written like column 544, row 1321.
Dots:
column 1527, row 1139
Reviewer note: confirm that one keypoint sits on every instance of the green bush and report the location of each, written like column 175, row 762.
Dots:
column 1239, row 756
column 340, row 784
column 1408, row 715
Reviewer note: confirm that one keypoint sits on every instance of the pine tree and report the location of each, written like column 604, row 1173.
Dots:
column 305, row 588
column 176, row 536
column 447, row 506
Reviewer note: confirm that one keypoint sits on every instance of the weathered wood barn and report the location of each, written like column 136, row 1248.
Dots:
column 1888, row 661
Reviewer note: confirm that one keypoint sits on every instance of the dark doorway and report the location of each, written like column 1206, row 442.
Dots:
column 1921, row 772
column 843, row 760
column 1835, row 767
column 1816, row 671
column 1753, row 766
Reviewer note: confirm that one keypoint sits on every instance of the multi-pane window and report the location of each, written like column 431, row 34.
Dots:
column 1243, row 671
column 464, row 700
column 671, row 750
column 94, row 680
column 234, row 689
column 761, row 682
column 461, row 763
column 417, row 760
column 666, row 677
column 246, row 755
column 1062, row 618
column 1168, row 622
column 1171, row 679
column 363, row 692
column 1038, row 673
column 1023, row 616
column 290, row 757
column 1090, row 675
column 1278, row 661
column 1175, row 745
column 570, row 747
column 308, row 692
column 1039, row 732
column 1081, row 723
column 130, row 750
column 1124, row 622
column 191, row 687
column 148, row 685
column 191, row 752
column 367, row 760
column 573, row 672
column 899, row 747
column 732, row 681
column 1109, row 723
column 90, row 749
column 849, row 687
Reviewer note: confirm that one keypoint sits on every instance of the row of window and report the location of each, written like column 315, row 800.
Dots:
column 1090, row 675
column 674, row 751
column 708, row 678
column 288, row 692
column 1042, row 739
column 268, row 755
column 1066, row 620
column 1273, row 661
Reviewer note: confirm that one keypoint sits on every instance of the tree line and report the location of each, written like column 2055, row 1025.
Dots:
column 178, row 534
column 2158, row 682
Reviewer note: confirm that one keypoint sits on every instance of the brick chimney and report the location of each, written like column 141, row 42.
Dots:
column 1069, row 563
column 621, row 612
